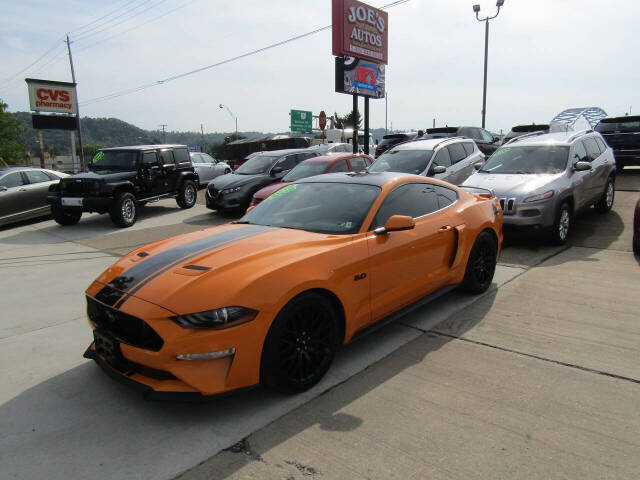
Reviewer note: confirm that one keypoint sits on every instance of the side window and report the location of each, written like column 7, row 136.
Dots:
column 601, row 144
column 413, row 199
column 12, row 180
column 468, row 148
column 486, row 136
column 182, row 156
column 580, row 151
column 340, row 166
column 442, row 158
column 166, row 157
column 446, row 196
column 149, row 158
column 456, row 152
column 288, row 162
column 367, row 161
column 52, row 176
column 36, row 176
column 592, row 148
column 358, row 164
column 304, row 156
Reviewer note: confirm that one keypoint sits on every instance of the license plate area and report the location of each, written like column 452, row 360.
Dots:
column 109, row 348
column 71, row 202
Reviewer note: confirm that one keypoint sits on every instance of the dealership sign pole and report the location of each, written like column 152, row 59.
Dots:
column 360, row 36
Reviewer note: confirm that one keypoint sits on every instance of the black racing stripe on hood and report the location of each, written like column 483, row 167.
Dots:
column 109, row 296
column 155, row 265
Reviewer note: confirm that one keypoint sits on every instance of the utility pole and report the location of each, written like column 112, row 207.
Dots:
column 202, row 133
column 73, row 79
column 385, row 111
column 164, row 137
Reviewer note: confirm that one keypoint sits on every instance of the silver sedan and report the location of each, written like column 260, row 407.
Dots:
column 23, row 192
column 208, row 167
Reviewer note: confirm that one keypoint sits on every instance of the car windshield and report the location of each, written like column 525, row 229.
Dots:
column 332, row 208
column 630, row 125
column 257, row 165
column 405, row 161
column 304, row 170
column 114, row 160
column 530, row 159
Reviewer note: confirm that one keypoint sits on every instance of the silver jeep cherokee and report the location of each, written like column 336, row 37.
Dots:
column 542, row 180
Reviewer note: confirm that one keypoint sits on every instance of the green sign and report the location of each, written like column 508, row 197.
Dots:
column 301, row 121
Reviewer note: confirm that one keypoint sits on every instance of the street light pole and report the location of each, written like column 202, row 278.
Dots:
column 232, row 116
column 476, row 9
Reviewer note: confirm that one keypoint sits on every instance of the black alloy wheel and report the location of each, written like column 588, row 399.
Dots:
column 300, row 345
column 481, row 264
column 65, row 217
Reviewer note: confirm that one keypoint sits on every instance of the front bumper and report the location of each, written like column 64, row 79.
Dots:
column 89, row 204
column 534, row 214
column 228, row 201
column 156, row 369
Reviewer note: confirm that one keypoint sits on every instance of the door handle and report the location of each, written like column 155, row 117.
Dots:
column 22, row 189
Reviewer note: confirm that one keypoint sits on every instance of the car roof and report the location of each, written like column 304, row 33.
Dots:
column 144, row 147
column 277, row 153
column 333, row 157
column 626, row 118
column 377, row 179
column 4, row 170
column 426, row 143
column 555, row 138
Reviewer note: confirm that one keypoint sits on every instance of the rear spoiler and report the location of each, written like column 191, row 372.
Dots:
column 481, row 192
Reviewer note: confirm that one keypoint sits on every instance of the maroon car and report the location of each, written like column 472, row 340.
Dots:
column 332, row 163
column 636, row 229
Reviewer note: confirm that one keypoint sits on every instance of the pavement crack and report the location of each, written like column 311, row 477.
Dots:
column 538, row 357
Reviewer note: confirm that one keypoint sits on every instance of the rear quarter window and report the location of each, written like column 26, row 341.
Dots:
column 468, row 148
column 182, row 157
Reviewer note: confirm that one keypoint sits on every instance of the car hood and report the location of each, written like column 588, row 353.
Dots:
column 104, row 176
column 212, row 268
column 268, row 190
column 232, row 180
column 511, row 185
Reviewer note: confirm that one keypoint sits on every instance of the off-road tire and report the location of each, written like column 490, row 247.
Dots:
column 187, row 194
column 300, row 345
column 481, row 265
column 65, row 217
column 124, row 210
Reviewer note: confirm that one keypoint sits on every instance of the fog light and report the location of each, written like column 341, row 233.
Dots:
column 207, row 356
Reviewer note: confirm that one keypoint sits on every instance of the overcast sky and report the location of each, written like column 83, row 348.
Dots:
column 544, row 56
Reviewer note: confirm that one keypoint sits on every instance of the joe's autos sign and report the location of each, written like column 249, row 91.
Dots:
column 360, row 31
column 51, row 96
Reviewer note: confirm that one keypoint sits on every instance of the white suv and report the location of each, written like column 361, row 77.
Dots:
column 449, row 159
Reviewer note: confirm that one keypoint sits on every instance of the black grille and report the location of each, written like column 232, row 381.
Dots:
column 77, row 186
column 124, row 328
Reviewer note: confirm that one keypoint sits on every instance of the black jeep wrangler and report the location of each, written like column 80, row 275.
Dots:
column 122, row 179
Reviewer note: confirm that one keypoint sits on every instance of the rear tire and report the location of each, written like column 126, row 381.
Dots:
column 187, row 195
column 124, row 210
column 481, row 264
column 300, row 345
column 65, row 217
column 606, row 201
column 562, row 225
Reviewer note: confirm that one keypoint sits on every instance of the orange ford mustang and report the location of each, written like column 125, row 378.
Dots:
column 268, row 299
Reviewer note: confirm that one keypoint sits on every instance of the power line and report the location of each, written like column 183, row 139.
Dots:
column 106, row 25
column 9, row 79
column 223, row 62
column 83, row 27
column 91, row 45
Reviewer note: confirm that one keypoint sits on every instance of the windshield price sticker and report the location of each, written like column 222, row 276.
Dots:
column 97, row 157
column 284, row 191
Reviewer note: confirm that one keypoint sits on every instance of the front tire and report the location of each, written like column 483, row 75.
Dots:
column 300, row 345
column 606, row 201
column 65, row 217
column 187, row 194
column 481, row 264
column 124, row 210
column 562, row 225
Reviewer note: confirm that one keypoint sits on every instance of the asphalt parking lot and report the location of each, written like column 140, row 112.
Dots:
column 538, row 378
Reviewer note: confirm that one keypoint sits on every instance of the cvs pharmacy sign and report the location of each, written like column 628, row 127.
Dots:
column 50, row 96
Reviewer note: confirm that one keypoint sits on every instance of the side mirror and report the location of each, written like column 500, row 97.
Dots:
column 478, row 165
column 438, row 169
column 3, row 188
column 581, row 166
column 276, row 170
column 496, row 139
column 396, row 223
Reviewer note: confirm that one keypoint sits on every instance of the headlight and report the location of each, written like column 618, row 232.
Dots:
column 232, row 190
column 536, row 198
column 219, row 318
